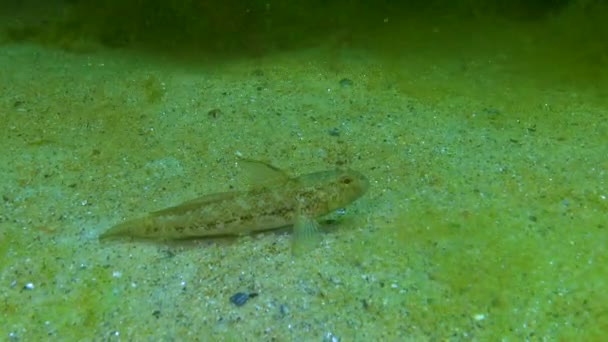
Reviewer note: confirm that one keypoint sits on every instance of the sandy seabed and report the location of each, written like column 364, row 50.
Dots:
column 487, row 215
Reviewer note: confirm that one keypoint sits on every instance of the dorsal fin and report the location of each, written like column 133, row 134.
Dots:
column 257, row 175
column 260, row 174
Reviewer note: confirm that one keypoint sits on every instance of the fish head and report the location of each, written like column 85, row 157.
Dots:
column 327, row 191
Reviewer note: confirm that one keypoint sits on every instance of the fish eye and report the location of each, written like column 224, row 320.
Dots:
column 346, row 180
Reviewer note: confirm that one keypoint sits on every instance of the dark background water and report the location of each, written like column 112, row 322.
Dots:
column 235, row 27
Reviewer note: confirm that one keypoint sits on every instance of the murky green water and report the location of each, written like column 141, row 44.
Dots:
column 483, row 137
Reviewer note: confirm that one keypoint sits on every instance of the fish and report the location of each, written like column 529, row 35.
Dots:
column 276, row 201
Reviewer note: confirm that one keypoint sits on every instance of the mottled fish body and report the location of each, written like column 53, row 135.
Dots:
column 287, row 201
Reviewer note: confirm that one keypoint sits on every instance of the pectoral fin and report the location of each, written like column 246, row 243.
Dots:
column 306, row 235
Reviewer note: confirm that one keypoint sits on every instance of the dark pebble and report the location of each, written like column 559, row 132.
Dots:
column 214, row 113
column 345, row 82
column 491, row 111
column 334, row 132
column 240, row 298
column 283, row 310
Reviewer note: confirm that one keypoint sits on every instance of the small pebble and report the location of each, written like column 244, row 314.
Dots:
column 334, row 132
column 491, row 111
column 214, row 113
column 345, row 82
column 240, row 298
column 283, row 310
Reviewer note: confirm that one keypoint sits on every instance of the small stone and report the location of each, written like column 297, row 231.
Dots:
column 334, row 132
column 240, row 298
column 214, row 113
column 346, row 82
column 491, row 111
column 283, row 310
column 479, row 317
column 329, row 337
